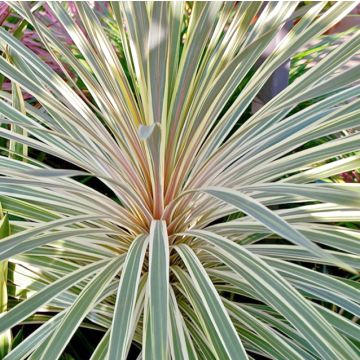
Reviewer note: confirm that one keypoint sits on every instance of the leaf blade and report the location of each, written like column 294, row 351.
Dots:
column 156, row 332
column 271, row 220
column 224, row 326
column 276, row 290
column 125, row 300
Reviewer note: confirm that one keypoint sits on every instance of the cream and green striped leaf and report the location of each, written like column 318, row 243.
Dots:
column 275, row 290
column 157, row 304
column 27, row 307
column 271, row 220
column 177, row 339
column 123, row 321
column 79, row 309
column 212, row 303
column 5, row 334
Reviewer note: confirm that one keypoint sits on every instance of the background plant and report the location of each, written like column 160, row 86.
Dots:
column 129, row 233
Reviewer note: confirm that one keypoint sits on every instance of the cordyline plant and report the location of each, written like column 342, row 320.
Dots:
column 207, row 236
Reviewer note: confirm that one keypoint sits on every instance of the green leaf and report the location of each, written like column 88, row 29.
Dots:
column 275, row 342
column 35, row 339
column 29, row 306
column 277, row 292
column 272, row 221
column 123, row 320
column 157, row 63
column 5, row 336
column 78, row 311
column 156, row 326
column 177, row 337
column 200, row 325
column 223, row 325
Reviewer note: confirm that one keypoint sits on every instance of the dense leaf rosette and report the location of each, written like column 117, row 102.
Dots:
column 204, row 232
